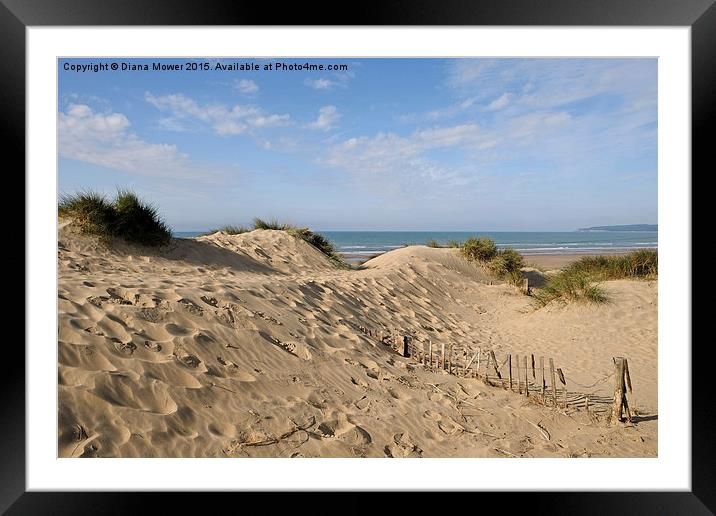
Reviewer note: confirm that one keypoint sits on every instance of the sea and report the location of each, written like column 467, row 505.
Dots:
column 358, row 245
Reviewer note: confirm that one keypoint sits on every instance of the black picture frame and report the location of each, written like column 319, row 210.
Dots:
column 700, row 15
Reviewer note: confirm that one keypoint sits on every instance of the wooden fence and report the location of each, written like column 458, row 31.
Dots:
column 534, row 376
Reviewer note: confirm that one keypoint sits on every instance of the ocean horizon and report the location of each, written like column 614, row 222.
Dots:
column 358, row 244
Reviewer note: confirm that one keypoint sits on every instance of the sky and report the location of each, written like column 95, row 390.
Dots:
column 376, row 144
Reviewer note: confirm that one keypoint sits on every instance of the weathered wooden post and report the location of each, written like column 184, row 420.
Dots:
column 526, row 285
column 519, row 375
column 509, row 362
column 564, row 384
column 527, row 379
column 554, row 383
column 405, row 347
column 467, row 368
column 430, row 344
column 450, row 359
column 479, row 356
column 534, row 375
column 487, row 368
column 620, row 400
column 442, row 356
column 493, row 359
column 544, row 385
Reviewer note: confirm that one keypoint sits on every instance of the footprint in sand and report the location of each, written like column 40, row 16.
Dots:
column 360, row 382
column 190, row 361
column 362, row 404
column 125, row 348
column 153, row 346
column 212, row 301
column 176, row 330
column 191, row 307
column 403, row 446
column 450, row 427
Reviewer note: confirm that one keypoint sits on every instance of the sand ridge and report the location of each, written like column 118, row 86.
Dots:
column 255, row 345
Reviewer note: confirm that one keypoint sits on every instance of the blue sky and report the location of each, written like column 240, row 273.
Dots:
column 404, row 144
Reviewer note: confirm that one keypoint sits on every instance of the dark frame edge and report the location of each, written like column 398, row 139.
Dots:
column 12, row 98
column 702, row 498
column 703, row 125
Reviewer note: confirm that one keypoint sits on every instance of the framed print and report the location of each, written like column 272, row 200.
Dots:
column 446, row 248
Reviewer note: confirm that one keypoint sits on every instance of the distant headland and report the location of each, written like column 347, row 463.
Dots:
column 625, row 227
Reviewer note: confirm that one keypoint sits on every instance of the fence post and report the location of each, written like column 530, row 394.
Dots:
column 554, row 383
column 564, row 384
column 430, row 345
column 527, row 379
column 479, row 356
column 628, row 376
column 620, row 400
column 534, row 375
column 519, row 375
column 544, row 385
column 495, row 366
column 487, row 368
column 509, row 361
column 442, row 356
column 450, row 359
column 467, row 367
column 526, row 285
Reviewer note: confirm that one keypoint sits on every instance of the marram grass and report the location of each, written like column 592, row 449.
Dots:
column 126, row 217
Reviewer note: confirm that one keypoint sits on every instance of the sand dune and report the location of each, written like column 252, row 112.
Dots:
column 255, row 345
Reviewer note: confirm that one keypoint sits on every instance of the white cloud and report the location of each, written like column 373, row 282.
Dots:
column 452, row 110
column 550, row 83
column 499, row 102
column 336, row 80
column 224, row 120
column 389, row 164
column 320, row 84
column 403, row 158
column 408, row 160
column 246, row 86
column 328, row 116
column 448, row 136
column 105, row 139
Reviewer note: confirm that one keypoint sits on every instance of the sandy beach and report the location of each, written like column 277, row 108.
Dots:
column 256, row 345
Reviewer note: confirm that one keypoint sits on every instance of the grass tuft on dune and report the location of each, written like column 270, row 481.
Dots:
column 229, row 230
column 273, row 224
column 503, row 263
column 576, row 282
column 125, row 217
column 573, row 286
column 317, row 240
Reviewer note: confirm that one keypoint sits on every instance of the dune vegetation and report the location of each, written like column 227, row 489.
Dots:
column 577, row 281
column 126, row 217
column 317, row 240
column 449, row 244
column 229, row 230
column 503, row 263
